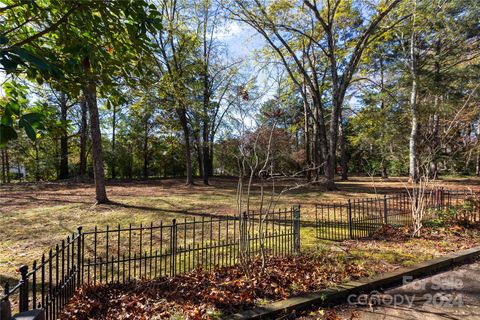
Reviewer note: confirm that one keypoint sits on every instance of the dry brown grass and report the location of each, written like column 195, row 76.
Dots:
column 34, row 217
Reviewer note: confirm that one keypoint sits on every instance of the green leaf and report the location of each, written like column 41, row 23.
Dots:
column 34, row 119
column 32, row 59
column 13, row 108
column 7, row 133
column 30, row 122
column 30, row 131
column 8, row 64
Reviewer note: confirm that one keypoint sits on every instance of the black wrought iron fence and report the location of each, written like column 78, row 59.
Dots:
column 122, row 254
column 119, row 254
column 51, row 281
column 359, row 218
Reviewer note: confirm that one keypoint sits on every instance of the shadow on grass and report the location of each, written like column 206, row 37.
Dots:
column 164, row 210
column 27, row 198
column 464, row 182
column 12, row 281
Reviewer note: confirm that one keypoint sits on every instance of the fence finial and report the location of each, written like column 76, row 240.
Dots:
column 5, row 306
column 23, row 271
column 23, row 301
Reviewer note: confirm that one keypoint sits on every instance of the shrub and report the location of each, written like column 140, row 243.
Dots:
column 457, row 215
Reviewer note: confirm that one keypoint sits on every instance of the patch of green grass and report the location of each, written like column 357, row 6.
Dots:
column 262, row 302
column 409, row 263
column 215, row 314
column 177, row 316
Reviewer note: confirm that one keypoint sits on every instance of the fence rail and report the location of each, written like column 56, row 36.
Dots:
column 360, row 218
column 114, row 255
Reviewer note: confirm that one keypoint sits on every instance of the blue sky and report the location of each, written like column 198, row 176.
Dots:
column 239, row 38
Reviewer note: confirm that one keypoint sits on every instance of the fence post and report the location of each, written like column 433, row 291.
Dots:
column 296, row 228
column 79, row 257
column 5, row 306
column 173, row 248
column 23, row 299
column 442, row 197
column 349, row 212
column 385, row 209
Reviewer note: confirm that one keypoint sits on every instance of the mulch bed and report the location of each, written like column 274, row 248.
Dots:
column 458, row 237
column 206, row 295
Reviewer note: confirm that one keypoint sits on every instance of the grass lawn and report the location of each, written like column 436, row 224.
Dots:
column 34, row 217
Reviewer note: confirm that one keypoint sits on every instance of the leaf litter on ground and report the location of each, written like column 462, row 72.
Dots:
column 203, row 294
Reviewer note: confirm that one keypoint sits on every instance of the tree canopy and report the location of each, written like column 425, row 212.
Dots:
column 139, row 89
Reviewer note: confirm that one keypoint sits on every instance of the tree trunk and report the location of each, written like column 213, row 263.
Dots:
column 7, row 164
column 114, row 127
column 433, row 167
column 172, row 157
column 323, row 148
column 413, row 133
column 188, row 156
column 145, row 150
column 56, row 156
column 316, row 147
column 384, row 171
column 322, row 134
column 198, row 148
column 477, row 164
column 338, row 92
column 434, row 145
column 343, row 151
column 306, row 134
column 130, row 161
column 210, row 156
column 19, row 171
column 413, row 106
column 4, row 176
column 63, row 174
column 332, row 150
column 37, row 162
column 383, row 160
column 83, row 139
column 206, row 103
column 467, row 162
column 206, row 158
column 90, row 92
